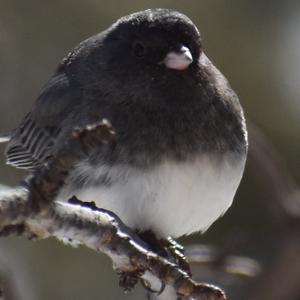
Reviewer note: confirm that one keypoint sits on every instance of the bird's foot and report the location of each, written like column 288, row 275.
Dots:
column 167, row 248
column 177, row 252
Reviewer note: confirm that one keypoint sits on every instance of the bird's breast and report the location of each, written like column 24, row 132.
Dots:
column 171, row 199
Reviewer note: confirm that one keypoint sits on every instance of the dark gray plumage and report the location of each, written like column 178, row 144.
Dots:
column 172, row 112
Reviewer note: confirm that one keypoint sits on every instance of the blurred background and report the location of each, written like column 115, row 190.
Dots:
column 255, row 43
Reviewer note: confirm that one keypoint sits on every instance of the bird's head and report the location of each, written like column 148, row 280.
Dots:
column 154, row 39
column 155, row 49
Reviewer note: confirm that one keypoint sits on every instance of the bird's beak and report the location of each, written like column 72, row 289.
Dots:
column 178, row 60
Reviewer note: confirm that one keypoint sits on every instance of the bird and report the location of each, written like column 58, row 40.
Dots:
column 181, row 137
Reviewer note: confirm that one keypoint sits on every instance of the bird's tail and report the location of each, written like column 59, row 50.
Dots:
column 5, row 137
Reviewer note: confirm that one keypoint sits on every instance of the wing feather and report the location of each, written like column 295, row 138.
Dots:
column 31, row 144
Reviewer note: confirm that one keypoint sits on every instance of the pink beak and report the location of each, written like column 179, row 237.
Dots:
column 178, row 60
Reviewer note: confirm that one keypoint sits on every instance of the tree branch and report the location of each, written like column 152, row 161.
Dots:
column 30, row 211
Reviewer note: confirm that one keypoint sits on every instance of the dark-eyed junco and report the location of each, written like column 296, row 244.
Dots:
column 181, row 140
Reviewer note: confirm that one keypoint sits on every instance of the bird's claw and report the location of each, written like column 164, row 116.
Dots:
column 148, row 287
column 177, row 252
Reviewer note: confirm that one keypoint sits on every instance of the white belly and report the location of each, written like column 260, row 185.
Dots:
column 173, row 199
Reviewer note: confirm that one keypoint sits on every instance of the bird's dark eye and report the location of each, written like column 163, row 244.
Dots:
column 139, row 49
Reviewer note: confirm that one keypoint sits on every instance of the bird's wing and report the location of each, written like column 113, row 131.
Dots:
column 32, row 142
